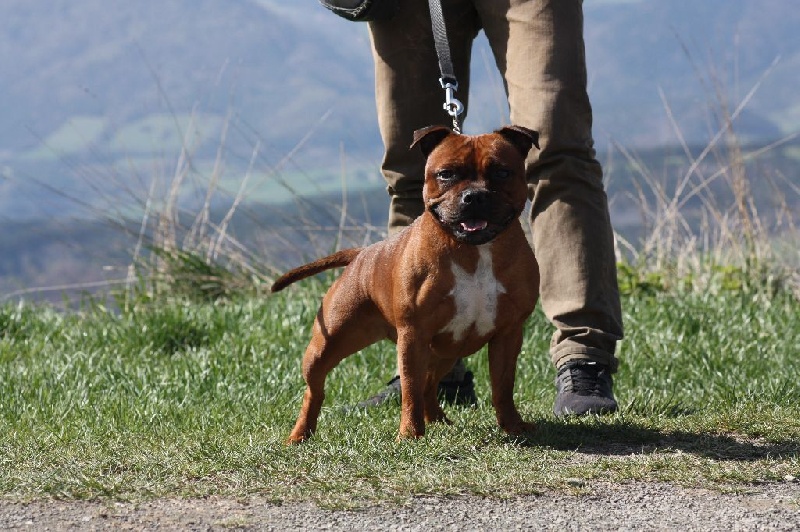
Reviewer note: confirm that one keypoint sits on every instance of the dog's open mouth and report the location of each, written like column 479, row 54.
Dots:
column 475, row 231
column 472, row 226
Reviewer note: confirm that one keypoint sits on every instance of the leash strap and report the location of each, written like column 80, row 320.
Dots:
column 448, row 80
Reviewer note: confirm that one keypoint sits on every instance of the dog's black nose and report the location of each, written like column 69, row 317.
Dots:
column 473, row 197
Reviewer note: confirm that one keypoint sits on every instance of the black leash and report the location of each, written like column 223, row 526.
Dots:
column 448, row 80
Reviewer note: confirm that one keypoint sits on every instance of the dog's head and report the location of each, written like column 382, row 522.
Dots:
column 475, row 184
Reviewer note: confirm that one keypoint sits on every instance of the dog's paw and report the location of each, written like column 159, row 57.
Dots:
column 519, row 429
column 401, row 436
column 411, row 431
column 445, row 420
column 437, row 415
column 298, row 436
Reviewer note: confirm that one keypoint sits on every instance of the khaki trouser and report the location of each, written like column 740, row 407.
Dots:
column 538, row 47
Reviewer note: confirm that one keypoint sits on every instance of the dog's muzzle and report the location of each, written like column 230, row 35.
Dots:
column 477, row 218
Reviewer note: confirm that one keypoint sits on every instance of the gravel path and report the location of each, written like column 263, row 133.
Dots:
column 638, row 506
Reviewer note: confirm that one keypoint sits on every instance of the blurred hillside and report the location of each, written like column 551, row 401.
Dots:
column 105, row 81
column 100, row 97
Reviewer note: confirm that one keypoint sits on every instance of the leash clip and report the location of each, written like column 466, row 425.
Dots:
column 452, row 105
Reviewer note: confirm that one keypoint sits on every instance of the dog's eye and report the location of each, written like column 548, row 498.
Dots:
column 500, row 173
column 446, row 175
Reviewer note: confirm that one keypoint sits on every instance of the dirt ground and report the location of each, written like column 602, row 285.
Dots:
column 637, row 506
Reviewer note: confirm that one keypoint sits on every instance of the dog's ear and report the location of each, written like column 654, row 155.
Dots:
column 521, row 137
column 429, row 137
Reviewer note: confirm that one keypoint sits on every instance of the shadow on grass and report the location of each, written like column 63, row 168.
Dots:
column 617, row 438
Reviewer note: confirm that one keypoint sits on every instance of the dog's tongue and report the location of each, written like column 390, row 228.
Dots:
column 471, row 226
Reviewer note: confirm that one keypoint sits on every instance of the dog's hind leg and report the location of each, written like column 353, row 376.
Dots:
column 331, row 342
column 316, row 366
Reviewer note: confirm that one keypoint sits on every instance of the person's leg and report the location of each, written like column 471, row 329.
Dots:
column 539, row 48
column 408, row 94
column 409, row 97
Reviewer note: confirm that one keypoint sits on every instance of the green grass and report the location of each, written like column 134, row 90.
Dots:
column 193, row 399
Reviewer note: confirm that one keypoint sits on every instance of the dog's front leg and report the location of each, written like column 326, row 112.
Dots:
column 412, row 363
column 504, row 350
column 433, row 411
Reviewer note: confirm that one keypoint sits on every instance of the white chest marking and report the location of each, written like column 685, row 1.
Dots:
column 475, row 295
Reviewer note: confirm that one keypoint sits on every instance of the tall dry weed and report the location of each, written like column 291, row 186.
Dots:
column 702, row 228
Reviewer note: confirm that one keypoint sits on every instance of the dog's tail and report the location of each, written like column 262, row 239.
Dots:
column 337, row 260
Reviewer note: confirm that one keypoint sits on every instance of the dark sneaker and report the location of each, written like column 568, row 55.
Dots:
column 390, row 393
column 452, row 393
column 460, row 393
column 582, row 388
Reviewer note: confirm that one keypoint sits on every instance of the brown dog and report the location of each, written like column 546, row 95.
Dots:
column 461, row 276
